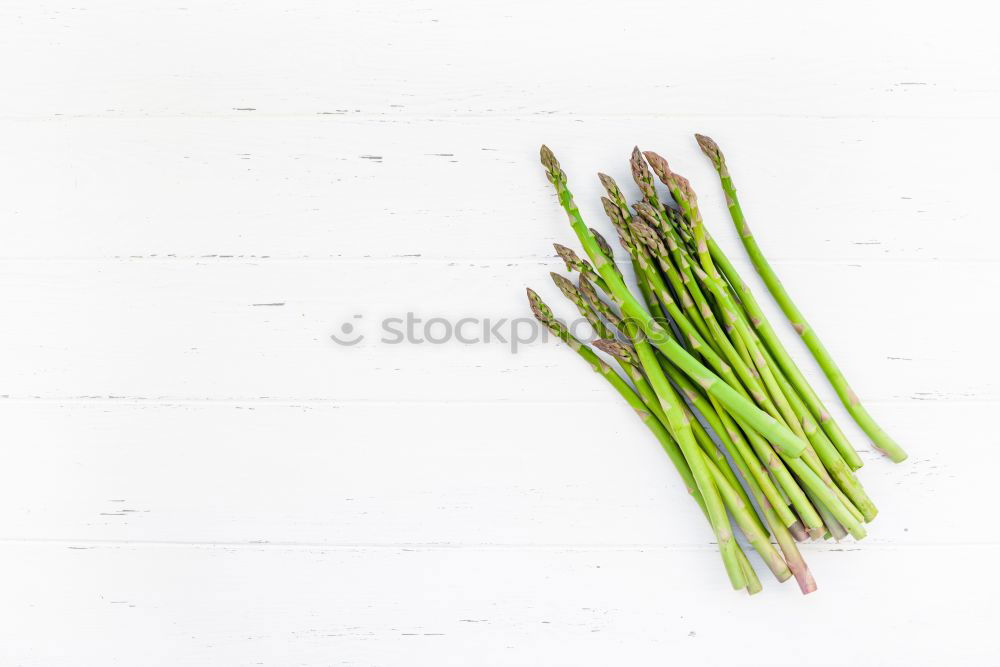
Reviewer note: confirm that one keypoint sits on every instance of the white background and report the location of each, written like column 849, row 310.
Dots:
column 197, row 194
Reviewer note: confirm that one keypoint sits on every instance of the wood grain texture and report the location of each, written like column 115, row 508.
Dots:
column 520, row 58
column 817, row 189
column 281, row 605
column 383, row 473
column 199, row 195
column 261, row 329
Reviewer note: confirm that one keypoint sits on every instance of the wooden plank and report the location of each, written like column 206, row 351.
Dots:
column 244, row 329
column 330, row 187
column 419, row 473
column 209, row 606
column 521, row 57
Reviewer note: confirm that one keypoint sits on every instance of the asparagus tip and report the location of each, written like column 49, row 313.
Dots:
column 683, row 184
column 602, row 243
column 538, row 307
column 567, row 255
column 587, row 289
column 659, row 165
column 610, row 209
column 626, row 243
column 644, row 208
column 564, row 285
column 548, row 157
column 552, row 169
column 709, row 148
column 608, row 182
column 645, row 234
column 617, row 350
column 640, row 174
column 671, row 179
column 646, row 212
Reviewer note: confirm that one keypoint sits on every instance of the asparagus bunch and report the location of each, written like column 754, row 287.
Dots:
column 695, row 350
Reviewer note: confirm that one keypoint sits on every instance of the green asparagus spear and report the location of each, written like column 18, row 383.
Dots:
column 686, row 457
column 851, row 402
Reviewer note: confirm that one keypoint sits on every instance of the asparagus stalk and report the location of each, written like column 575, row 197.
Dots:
column 776, row 348
column 766, row 331
column 624, row 354
column 722, row 342
column 746, row 577
column 544, row 315
column 746, row 462
column 828, row 454
column 852, row 403
column 689, row 451
column 801, row 501
column 763, row 423
column 724, row 427
column 795, row 563
column 756, row 478
column 842, row 506
column 785, row 409
column 627, row 356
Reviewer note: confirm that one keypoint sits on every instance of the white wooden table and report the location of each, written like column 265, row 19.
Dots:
column 197, row 194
